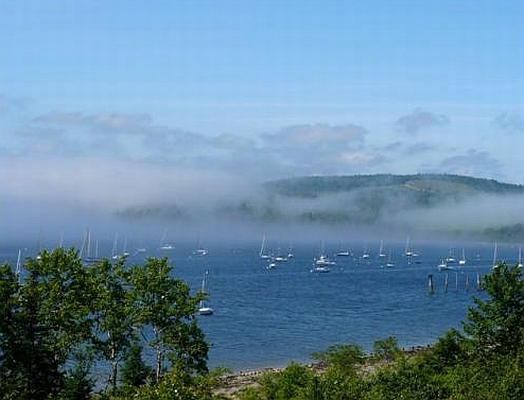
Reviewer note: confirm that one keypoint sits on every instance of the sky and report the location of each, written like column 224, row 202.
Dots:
column 110, row 104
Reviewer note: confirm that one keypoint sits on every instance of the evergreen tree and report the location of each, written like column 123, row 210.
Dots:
column 135, row 372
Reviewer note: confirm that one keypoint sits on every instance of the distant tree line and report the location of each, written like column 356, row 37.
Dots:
column 314, row 186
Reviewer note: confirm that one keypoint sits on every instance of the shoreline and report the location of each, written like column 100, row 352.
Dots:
column 235, row 381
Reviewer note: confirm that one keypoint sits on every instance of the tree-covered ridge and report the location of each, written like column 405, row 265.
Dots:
column 314, row 186
column 363, row 198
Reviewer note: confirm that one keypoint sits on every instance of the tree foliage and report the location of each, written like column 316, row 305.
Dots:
column 496, row 325
column 64, row 316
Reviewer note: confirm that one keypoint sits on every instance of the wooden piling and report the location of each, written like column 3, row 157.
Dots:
column 479, row 281
column 431, row 288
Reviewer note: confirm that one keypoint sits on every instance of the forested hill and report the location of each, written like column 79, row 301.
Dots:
column 422, row 186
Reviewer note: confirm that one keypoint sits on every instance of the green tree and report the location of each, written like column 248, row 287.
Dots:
column 496, row 325
column 387, row 349
column 294, row 382
column 44, row 320
column 112, row 313
column 165, row 313
column 135, row 372
column 346, row 357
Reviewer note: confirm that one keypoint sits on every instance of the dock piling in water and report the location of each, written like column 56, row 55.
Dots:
column 479, row 282
column 431, row 288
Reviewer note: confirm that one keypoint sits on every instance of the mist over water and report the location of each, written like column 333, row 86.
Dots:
column 44, row 200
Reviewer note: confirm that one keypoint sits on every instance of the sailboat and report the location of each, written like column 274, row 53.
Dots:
column 319, row 268
column 381, row 253
column 495, row 263
column 409, row 251
column 519, row 265
column 444, row 266
column 114, row 254
column 343, row 252
column 272, row 265
column 200, row 250
column 18, row 270
column 91, row 259
column 462, row 260
column 323, row 259
column 322, row 263
column 365, row 254
column 203, row 308
column 451, row 258
column 290, row 251
column 390, row 263
column 125, row 253
column 279, row 257
column 164, row 245
column 263, row 252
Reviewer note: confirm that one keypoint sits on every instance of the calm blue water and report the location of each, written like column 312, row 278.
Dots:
column 270, row 317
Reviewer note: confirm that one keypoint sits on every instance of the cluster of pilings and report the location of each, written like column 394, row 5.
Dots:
column 456, row 284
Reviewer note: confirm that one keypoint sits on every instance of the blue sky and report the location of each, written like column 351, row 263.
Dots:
column 160, row 97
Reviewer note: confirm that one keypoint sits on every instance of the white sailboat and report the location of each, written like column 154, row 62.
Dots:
column 114, row 253
column 450, row 258
column 89, row 259
column 390, row 263
column 18, row 269
column 290, row 251
column 365, row 254
column 408, row 251
column 164, row 245
column 322, row 263
column 519, row 265
column 444, row 266
column 319, row 269
column 462, row 260
column 323, row 259
column 271, row 265
column 381, row 253
column 263, row 252
column 125, row 253
column 495, row 261
column 200, row 250
column 141, row 249
column 203, row 308
column 279, row 257
column 343, row 252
